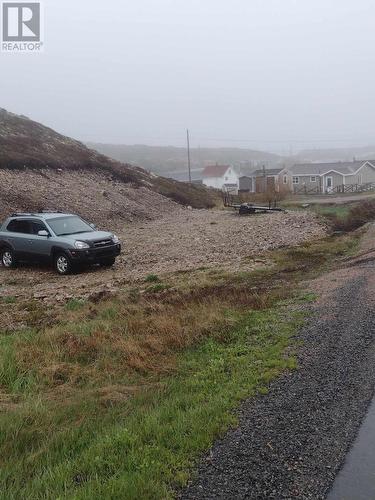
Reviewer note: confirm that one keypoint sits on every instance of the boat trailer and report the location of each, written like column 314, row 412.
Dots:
column 246, row 208
column 250, row 209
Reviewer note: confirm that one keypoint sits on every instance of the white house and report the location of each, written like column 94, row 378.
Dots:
column 221, row 177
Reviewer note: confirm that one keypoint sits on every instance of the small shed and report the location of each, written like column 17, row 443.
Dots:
column 245, row 184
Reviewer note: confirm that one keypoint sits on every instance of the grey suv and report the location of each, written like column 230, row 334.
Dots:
column 65, row 240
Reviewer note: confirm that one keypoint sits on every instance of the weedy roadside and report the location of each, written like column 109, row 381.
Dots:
column 118, row 398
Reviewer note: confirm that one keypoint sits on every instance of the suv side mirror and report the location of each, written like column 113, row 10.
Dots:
column 44, row 233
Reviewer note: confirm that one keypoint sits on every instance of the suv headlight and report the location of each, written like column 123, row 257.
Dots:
column 115, row 239
column 81, row 245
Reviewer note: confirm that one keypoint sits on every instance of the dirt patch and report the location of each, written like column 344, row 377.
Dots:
column 7, row 402
column 185, row 240
column 219, row 239
column 326, row 285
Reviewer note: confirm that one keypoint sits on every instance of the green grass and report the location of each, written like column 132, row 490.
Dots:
column 152, row 278
column 307, row 297
column 14, row 380
column 347, row 217
column 144, row 447
column 9, row 300
column 327, row 210
column 118, row 400
column 340, row 210
column 74, row 304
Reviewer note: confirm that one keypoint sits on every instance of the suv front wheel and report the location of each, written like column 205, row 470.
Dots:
column 63, row 265
column 8, row 259
column 108, row 262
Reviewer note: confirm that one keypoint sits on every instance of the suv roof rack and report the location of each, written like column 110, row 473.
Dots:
column 22, row 214
column 38, row 214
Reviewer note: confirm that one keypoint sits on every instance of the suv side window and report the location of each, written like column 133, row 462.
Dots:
column 19, row 226
column 37, row 226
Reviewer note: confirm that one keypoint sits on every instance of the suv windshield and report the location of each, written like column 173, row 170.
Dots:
column 69, row 225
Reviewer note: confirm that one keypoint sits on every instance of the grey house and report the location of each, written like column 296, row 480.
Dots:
column 327, row 177
column 258, row 181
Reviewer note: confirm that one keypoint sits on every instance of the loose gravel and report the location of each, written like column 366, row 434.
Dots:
column 93, row 195
column 292, row 442
column 180, row 241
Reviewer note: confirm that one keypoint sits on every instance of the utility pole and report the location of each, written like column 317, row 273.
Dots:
column 188, row 152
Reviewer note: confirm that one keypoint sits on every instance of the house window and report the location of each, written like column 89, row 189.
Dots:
column 313, row 178
column 295, row 180
column 285, row 179
column 226, row 178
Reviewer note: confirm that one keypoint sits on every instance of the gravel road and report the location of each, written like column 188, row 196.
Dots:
column 334, row 199
column 292, row 442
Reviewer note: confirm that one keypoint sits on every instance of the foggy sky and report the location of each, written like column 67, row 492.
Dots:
column 251, row 73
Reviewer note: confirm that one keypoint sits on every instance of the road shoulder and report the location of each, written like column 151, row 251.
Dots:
column 292, row 442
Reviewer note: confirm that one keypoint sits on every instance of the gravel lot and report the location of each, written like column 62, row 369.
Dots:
column 185, row 240
column 292, row 442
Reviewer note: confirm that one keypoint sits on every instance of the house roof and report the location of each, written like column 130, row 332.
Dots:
column 215, row 170
column 342, row 167
column 268, row 171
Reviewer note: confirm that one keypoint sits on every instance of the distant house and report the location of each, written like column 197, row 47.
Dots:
column 245, row 184
column 261, row 180
column 326, row 177
column 221, row 177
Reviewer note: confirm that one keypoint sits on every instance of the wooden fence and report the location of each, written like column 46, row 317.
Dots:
column 343, row 188
column 306, row 190
column 354, row 188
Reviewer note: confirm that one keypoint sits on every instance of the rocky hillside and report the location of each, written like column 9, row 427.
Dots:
column 93, row 195
column 28, row 145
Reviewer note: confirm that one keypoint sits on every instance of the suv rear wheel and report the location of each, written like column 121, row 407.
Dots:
column 8, row 259
column 63, row 265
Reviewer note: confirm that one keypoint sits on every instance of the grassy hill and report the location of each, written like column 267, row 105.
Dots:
column 170, row 160
column 26, row 144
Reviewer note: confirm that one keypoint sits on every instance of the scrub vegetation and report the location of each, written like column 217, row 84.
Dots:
column 344, row 217
column 358, row 215
column 118, row 398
